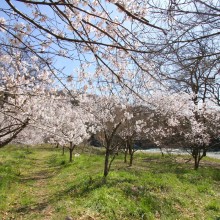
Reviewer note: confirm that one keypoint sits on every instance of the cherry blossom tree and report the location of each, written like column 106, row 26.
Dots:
column 187, row 22
column 113, row 44
column 182, row 72
column 103, row 39
column 200, row 131
column 110, row 115
column 179, row 122
column 132, row 131
column 30, row 136
column 21, row 76
column 64, row 122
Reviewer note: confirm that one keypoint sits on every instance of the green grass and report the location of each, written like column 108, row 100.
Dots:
column 39, row 183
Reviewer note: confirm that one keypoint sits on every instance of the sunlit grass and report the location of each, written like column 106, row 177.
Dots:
column 40, row 183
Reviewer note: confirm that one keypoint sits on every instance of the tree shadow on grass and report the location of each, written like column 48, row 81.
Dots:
column 85, row 187
column 40, row 175
column 37, row 207
column 37, row 176
column 166, row 165
column 181, row 166
column 81, row 189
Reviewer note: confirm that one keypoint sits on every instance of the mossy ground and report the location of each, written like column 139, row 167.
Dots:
column 40, row 183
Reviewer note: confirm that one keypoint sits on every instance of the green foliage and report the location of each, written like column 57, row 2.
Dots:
column 213, row 205
column 40, row 183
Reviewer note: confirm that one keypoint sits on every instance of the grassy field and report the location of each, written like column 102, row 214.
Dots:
column 40, row 184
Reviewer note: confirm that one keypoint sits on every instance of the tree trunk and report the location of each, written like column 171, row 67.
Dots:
column 110, row 163
column 161, row 151
column 131, row 152
column 196, row 163
column 63, row 150
column 125, row 156
column 196, row 156
column 71, row 148
column 106, row 165
column 14, row 133
column 131, row 158
column 71, row 154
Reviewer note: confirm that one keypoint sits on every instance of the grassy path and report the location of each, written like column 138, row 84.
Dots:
column 41, row 184
column 28, row 191
column 39, row 179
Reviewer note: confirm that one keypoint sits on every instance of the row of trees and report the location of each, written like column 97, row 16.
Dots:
column 167, row 120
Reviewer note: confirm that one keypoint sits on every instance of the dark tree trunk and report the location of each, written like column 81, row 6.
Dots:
column 131, row 158
column 125, row 156
column 197, row 157
column 63, row 150
column 108, row 142
column 195, row 153
column 106, row 165
column 161, row 151
column 131, row 152
column 196, row 163
column 71, row 148
column 71, row 154
column 13, row 132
